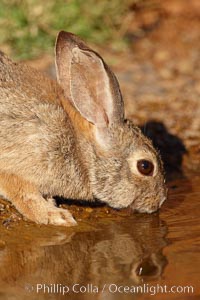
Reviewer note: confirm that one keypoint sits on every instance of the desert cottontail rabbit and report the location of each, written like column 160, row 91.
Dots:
column 70, row 138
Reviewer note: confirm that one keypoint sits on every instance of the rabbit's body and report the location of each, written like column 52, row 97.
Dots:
column 54, row 145
column 33, row 127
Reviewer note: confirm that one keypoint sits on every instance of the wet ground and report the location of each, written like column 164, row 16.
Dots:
column 109, row 249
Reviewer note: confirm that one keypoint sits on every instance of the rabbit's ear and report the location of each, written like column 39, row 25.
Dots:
column 88, row 82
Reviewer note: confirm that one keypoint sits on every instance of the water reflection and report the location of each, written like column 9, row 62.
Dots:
column 123, row 252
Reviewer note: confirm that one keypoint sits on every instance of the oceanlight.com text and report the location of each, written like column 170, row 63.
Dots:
column 112, row 288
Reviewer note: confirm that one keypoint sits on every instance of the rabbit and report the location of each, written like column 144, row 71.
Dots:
column 69, row 137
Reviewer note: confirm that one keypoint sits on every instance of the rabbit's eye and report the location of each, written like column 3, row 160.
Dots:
column 145, row 167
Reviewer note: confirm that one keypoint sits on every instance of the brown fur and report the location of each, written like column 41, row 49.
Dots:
column 58, row 140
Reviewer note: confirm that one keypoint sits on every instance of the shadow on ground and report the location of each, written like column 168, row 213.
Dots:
column 170, row 146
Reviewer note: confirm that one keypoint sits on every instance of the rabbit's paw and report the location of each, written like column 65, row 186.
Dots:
column 60, row 216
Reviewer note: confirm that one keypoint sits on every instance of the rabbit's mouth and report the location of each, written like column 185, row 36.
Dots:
column 146, row 210
column 149, row 208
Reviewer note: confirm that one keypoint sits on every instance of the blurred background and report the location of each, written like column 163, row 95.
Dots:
column 153, row 47
column 28, row 28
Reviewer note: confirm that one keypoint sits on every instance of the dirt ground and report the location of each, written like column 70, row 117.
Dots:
column 160, row 79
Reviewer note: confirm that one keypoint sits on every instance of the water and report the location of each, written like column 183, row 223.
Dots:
column 150, row 251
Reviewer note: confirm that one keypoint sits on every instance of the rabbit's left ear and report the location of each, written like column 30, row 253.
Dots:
column 87, row 81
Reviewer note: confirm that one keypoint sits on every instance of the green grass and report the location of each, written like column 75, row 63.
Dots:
column 28, row 28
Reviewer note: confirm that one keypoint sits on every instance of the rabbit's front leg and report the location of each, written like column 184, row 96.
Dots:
column 30, row 203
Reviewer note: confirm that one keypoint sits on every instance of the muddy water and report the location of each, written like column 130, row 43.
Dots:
column 120, row 251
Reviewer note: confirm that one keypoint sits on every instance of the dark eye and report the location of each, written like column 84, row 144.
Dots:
column 145, row 167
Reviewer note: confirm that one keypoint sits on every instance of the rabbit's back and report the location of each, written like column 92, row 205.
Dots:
column 21, row 82
column 36, row 135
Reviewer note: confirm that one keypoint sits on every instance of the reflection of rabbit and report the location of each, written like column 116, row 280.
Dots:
column 131, row 255
column 110, row 255
column 70, row 139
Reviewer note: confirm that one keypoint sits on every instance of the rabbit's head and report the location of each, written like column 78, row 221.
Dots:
column 123, row 167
